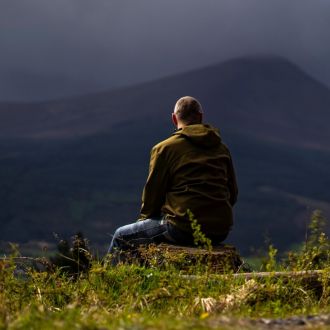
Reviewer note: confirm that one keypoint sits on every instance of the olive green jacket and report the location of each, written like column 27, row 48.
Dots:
column 193, row 170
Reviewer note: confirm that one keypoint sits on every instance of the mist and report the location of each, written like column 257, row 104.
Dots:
column 52, row 49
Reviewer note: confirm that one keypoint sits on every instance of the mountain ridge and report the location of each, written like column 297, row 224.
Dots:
column 235, row 82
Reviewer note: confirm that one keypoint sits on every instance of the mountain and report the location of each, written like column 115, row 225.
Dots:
column 80, row 163
column 264, row 96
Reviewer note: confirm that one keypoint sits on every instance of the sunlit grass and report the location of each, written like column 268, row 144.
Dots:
column 129, row 296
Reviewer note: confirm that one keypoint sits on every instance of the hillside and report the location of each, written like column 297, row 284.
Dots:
column 80, row 163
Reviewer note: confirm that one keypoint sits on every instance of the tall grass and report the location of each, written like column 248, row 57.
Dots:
column 130, row 296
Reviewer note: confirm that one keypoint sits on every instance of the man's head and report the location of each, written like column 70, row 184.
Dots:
column 187, row 111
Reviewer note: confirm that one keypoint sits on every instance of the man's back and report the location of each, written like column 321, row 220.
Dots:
column 192, row 170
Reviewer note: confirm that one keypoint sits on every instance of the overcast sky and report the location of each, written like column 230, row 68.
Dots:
column 52, row 48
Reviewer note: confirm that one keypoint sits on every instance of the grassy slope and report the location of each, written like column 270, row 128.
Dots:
column 132, row 296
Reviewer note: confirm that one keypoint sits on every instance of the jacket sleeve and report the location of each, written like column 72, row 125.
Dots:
column 154, row 191
column 232, row 182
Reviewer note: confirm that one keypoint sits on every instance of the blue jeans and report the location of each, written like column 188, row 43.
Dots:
column 149, row 231
column 143, row 232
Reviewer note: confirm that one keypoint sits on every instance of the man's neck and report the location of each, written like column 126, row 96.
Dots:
column 182, row 126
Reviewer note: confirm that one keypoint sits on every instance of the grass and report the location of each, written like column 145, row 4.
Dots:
column 130, row 296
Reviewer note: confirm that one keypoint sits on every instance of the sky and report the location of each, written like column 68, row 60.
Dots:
column 58, row 48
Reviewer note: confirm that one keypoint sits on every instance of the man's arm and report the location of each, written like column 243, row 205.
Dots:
column 154, row 191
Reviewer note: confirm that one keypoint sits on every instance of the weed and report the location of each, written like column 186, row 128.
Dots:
column 200, row 239
column 315, row 252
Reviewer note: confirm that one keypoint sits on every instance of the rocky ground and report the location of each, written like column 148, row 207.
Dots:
column 294, row 322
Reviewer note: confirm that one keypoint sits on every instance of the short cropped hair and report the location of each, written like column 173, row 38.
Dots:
column 188, row 110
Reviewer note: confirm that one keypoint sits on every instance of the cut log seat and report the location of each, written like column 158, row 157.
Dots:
column 220, row 259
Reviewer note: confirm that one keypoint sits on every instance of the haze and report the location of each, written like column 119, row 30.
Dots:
column 52, row 49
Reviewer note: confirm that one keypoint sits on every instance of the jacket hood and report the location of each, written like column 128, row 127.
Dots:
column 202, row 135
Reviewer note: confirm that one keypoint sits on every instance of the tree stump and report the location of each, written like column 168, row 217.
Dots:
column 220, row 259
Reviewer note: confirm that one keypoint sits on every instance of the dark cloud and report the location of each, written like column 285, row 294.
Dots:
column 52, row 48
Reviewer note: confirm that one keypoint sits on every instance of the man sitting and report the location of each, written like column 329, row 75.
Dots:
column 191, row 170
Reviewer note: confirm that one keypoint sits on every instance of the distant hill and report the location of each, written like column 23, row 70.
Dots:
column 80, row 163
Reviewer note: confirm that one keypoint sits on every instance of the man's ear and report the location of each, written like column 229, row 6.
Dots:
column 174, row 120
